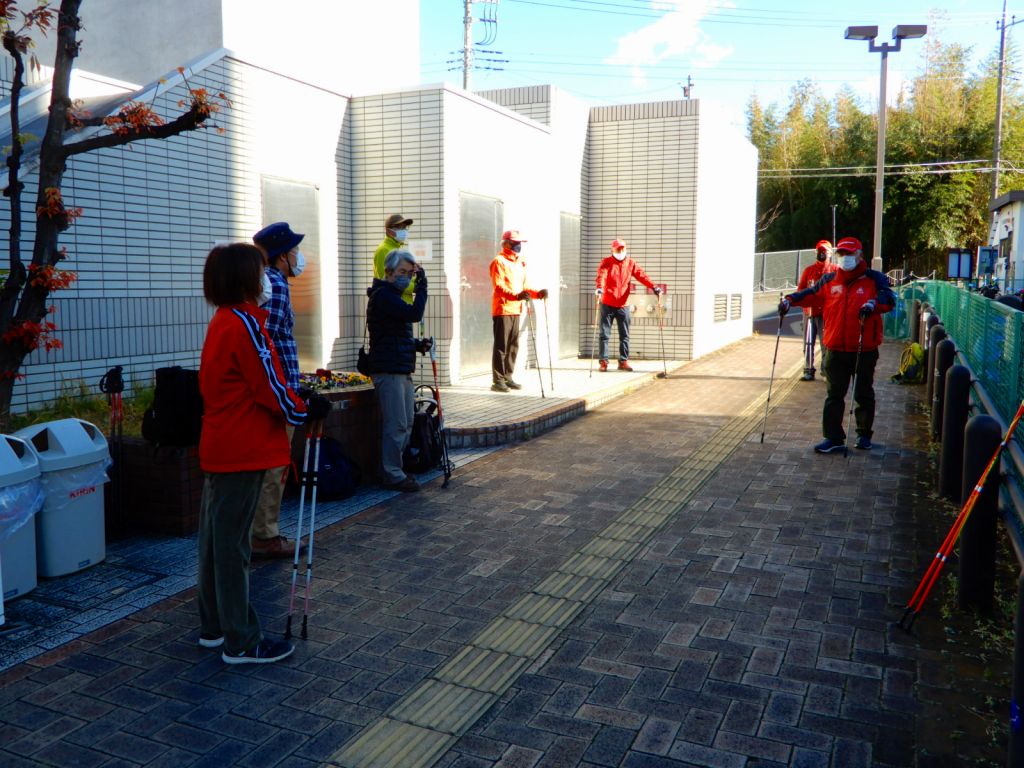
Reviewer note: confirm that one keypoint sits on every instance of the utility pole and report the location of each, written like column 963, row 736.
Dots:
column 833, row 226
column 688, row 88
column 467, row 43
column 997, row 143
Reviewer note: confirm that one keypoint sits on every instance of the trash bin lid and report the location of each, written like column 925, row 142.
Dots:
column 65, row 443
column 18, row 461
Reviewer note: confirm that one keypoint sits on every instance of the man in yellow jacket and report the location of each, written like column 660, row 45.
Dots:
column 396, row 233
column 508, row 275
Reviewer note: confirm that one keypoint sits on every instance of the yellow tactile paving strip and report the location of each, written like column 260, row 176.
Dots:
column 419, row 728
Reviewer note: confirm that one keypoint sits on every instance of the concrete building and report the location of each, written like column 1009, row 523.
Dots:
column 334, row 147
column 1006, row 237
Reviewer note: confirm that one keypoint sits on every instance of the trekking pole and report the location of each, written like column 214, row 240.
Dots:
column 318, row 434
column 532, row 326
column 547, row 330
column 931, row 575
column 661, row 333
column 446, row 463
column 853, row 393
column 778, row 336
column 298, row 531
column 112, row 384
column 593, row 349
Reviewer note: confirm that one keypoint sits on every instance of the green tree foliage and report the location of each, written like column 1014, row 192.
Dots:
column 944, row 115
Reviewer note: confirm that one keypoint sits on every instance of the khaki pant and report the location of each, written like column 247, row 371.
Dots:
column 396, row 401
column 268, row 508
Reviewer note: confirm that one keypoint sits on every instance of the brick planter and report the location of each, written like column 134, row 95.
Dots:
column 162, row 489
column 355, row 423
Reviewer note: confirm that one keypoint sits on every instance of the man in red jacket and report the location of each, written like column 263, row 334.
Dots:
column 615, row 275
column 855, row 298
column 508, row 276
column 813, row 306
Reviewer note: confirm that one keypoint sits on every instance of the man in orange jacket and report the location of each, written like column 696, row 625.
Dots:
column 813, row 307
column 615, row 276
column 508, row 275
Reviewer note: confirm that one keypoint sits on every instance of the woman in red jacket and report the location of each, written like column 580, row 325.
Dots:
column 246, row 404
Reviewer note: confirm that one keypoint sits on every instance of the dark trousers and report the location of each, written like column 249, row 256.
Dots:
column 506, row 346
column 814, row 328
column 621, row 316
column 225, row 519
column 839, row 368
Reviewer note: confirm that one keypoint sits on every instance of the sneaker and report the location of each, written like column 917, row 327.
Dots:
column 265, row 652
column 275, row 548
column 602, row 364
column 408, row 485
column 625, row 366
column 499, row 386
column 864, row 443
column 808, row 376
column 829, row 446
column 512, row 384
column 207, row 640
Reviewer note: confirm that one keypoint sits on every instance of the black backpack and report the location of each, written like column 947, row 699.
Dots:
column 425, row 450
column 176, row 416
column 338, row 477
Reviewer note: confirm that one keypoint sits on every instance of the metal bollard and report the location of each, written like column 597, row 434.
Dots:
column 936, row 333
column 982, row 436
column 915, row 320
column 928, row 320
column 954, row 419
column 1016, row 746
column 945, row 353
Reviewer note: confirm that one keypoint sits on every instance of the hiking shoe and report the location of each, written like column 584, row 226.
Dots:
column 808, row 376
column 512, row 384
column 625, row 366
column 265, row 652
column 207, row 640
column 408, row 485
column 499, row 386
column 274, row 548
column 864, row 443
column 602, row 364
column 829, row 446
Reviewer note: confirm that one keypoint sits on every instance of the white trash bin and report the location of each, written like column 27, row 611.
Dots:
column 73, row 459
column 21, row 497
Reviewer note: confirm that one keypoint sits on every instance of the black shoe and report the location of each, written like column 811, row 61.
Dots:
column 499, row 386
column 210, row 640
column 512, row 385
column 864, row 443
column 830, row 446
column 265, row 652
column 808, row 376
column 408, row 485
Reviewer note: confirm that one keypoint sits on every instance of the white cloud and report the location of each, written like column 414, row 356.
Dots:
column 675, row 34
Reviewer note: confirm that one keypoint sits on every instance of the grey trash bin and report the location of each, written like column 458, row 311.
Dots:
column 73, row 459
column 21, row 497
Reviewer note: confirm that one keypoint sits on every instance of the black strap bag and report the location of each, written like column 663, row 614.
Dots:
column 176, row 416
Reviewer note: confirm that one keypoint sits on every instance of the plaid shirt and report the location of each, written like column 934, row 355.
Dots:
column 279, row 325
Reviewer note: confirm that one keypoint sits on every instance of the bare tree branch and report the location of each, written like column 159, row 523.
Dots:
column 188, row 121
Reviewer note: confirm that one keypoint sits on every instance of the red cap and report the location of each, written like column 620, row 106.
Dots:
column 512, row 235
column 849, row 244
column 618, row 243
column 823, row 245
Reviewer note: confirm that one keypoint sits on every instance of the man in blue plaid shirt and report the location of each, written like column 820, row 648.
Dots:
column 284, row 260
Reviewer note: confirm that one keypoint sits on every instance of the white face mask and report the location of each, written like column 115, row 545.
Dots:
column 300, row 264
column 620, row 255
column 401, row 234
column 266, row 291
column 848, row 263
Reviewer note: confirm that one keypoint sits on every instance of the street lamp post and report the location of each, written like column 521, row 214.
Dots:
column 900, row 33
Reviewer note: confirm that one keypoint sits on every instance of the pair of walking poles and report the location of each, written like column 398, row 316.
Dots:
column 532, row 325
column 310, row 480
column 661, row 336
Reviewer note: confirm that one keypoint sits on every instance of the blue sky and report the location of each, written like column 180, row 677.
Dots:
column 623, row 51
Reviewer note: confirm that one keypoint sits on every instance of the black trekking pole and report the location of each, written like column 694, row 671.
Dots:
column 547, row 330
column 853, row 392
column 661, row 333
column 315, row 480
column 593, row 349
column 112, row 384
column 532, row 326
column 306, row 473
column 446, row 463
column 771, row 380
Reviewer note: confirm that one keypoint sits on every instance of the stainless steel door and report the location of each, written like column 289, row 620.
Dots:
column 481, row 222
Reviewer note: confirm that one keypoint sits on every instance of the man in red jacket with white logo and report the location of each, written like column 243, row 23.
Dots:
column 615, row 275
column 813, row 330
column 855, row 300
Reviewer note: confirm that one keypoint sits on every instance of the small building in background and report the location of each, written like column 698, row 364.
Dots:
column 1007, row 268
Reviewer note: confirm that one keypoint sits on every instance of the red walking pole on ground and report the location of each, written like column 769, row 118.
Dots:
column 931, row 575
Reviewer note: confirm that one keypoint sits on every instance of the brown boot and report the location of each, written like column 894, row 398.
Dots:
column 275, row 548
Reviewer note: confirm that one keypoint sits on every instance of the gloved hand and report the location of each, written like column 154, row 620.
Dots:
column 599, row 291
column 304, row 393
column 867, row 310
column 658, row 290
column 542, row 293
column 421, row 280
column 423, row 345
column 784, row 306
column 523, row 295
column 317, row 408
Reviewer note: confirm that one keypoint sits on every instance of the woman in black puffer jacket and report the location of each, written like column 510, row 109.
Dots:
column 393, row 358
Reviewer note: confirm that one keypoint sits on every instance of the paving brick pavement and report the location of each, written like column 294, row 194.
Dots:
column 748, row 627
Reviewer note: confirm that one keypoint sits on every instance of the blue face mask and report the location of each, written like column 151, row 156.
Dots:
column 515, row 247
column 402, row 282
column 401, row 234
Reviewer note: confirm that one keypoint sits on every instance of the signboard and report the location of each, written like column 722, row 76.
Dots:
column 987, row 259
column 959, row 264
column 421, row 250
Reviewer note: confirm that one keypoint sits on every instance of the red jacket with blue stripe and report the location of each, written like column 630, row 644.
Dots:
column 246, row 399
column 844, row 294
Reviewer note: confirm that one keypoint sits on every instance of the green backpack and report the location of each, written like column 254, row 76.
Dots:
column 912, row 363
